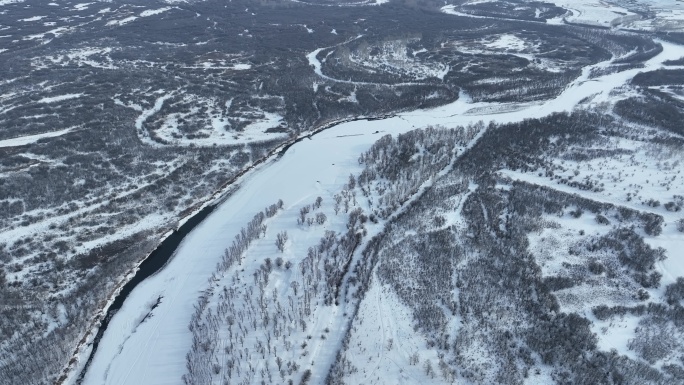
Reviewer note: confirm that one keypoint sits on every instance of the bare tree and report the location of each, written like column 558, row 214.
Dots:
column 428, row 369
column 352, row 182
column 281, row 240
column 414, row 359
column 302, row 215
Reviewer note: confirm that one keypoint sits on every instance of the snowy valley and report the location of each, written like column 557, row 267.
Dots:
column 482, row 192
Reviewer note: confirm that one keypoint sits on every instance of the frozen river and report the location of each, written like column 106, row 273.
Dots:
column 153, row 352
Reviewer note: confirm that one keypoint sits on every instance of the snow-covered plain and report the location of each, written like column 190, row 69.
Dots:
column 664, row 15
column 59, row 98
column 217, row 128
column 595, row 12
column 129, row 352
column 362, row 3
column 28, row 139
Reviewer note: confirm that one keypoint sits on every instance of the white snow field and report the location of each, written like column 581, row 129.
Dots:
column 28, row 139
column 665, row 14
column 384, row 342
column 153, row 352
column 595, row 12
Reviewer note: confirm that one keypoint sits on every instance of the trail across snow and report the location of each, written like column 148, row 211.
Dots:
column 154, row 352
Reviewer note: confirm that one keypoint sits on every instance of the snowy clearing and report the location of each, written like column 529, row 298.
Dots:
column 24, row 140
column 122, row 21
column 60, row 98
column 152, row 12
column 33, row 18
column 594, row 12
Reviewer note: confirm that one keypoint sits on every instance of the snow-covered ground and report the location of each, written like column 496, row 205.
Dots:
column 393, row 58
column 594, row 12
column 217, row 129
column 451, row 10
column 417, row 69
column 361, row 3
column 598, row 90
column 629, row 180
column 93, row 57
column 145, row 13
column 28, row 139
column 129, row 352
column 663, row 14
column 59, row 98
column 551, row 246
column 387, row 344
column 510, row 44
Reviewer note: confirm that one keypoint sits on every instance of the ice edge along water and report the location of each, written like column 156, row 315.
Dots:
column 154, row 352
